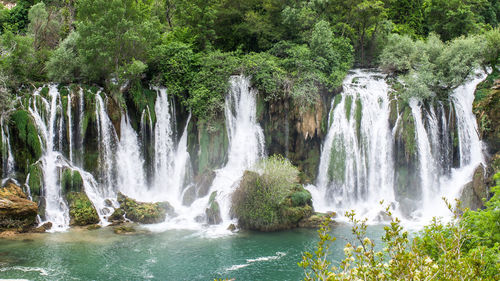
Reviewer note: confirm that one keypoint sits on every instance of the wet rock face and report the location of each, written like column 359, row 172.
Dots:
column 213, row 210
column 16, row 210
column 486, row 110
column 474, row 191
column 295, row 133
column 146, row 213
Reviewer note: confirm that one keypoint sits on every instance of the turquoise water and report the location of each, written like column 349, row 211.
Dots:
column 171, row 255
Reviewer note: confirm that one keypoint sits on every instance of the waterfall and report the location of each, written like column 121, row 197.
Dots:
column 357, row 167
column 70, row 129
column 170, row 162
column 107, row 140
column 130, row 164
column 246, row 140
column 56, row 209
column 356, row 164
column 164, row 154
column 7, row 156
column 427, row 169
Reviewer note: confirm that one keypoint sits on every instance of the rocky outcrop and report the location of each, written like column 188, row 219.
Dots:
column 486, row 107
column 475, row 191
column 81, row 210
column 146, row 213
column 213, row 210
column 16, row 210
column 295, row 132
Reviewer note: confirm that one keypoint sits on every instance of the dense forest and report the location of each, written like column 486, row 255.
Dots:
column 294, row 51
column 290, row 48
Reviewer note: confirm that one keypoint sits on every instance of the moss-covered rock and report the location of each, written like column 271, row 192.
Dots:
column 81, row 210
column 117, row 215
column 16, row 211
column 213, row 210
column 272, row 200
column 71, row 181
column 142, row 212
column 124, row 229
column 35, row 181
column 25, row 143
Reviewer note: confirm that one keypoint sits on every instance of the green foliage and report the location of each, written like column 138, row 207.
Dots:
column 175, row 61
column 18, row 60
column 81, row 209
column 36, row 180
column 64, row 64
column 271, row 199
column 432, row 68
column 450, row 18
column 71, row 181
column 26, row 144
column 492, row 48
column 437, row 254
column 211, row 83
column 44, row 26
column 484, row 225
column 113, row 34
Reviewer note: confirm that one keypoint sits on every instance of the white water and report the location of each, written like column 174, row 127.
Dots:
column 364, row 171
column 107, row 140
column 70, row 129
column 8, row 158
column 367, row 173
column 56, row 210
column 130, row 164
column 246, row 147
column 246, row 141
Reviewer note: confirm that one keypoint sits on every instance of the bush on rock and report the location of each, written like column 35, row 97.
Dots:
column 270, row 198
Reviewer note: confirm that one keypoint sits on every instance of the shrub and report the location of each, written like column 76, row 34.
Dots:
column 437, row 254
column 270, row 197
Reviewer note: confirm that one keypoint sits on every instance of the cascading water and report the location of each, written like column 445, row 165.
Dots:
column 357, row 165
column 56, row 209
column 246, row 147
column 107, row 140
column 130, row 164
column 246, row 141
column 8, row 158
column 48, row 114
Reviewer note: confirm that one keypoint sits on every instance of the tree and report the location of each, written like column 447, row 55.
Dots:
column 44, row 26
column 112, row 34
column 450, row 18
column 64, row 64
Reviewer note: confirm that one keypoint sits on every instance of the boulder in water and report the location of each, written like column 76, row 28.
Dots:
column 146, row 213
column 16, row 210
column 213, row 210
column 43, row 228
column 81, row 210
